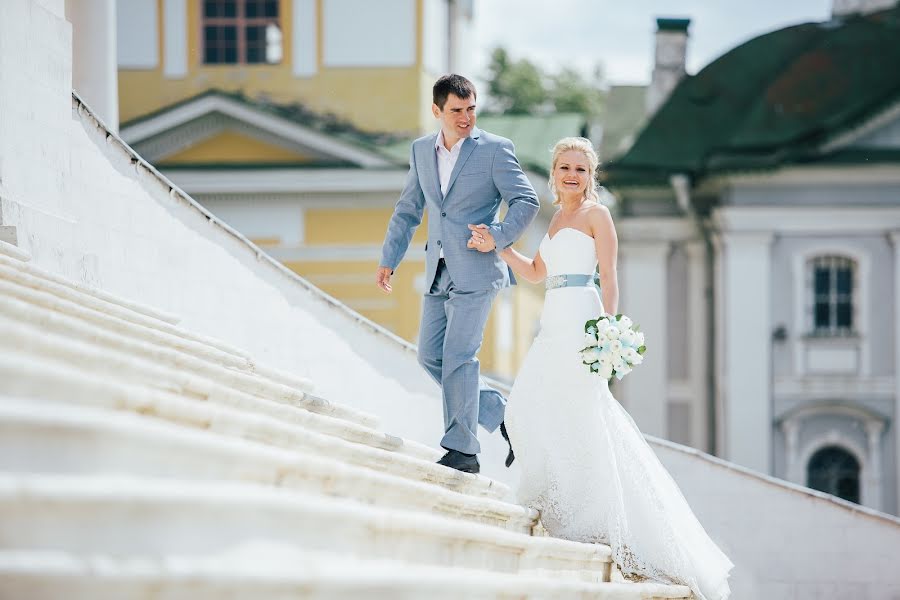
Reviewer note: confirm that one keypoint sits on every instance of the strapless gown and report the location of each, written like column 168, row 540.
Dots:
column 585, row 465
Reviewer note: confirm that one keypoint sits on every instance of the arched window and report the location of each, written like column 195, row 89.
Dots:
column 835, row 471
column 831, row 284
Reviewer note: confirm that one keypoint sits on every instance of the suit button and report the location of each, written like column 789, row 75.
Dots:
column 443, row 214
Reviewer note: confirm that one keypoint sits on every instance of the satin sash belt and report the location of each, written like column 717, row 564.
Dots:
column 571, row 280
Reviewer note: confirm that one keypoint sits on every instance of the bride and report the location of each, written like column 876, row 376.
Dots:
column 585, row 464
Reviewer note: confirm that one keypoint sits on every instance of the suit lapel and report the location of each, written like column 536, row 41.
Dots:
column 435, row 174
column 464, row 152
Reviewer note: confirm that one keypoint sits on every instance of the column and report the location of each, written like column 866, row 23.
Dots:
column 697, row 343
column 792, row 471
column 643, row 298
column 747, row 346
column 873, row 476
column 895, row 240
column 94, row 70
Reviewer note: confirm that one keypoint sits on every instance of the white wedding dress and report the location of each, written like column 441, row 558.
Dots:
column 585, row 465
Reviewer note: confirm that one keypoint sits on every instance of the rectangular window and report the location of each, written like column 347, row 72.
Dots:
column 241, row 32
column 832, row 295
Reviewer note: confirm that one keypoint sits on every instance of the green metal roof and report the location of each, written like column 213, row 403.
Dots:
column 774, row 100
column 623, row 115
column 533, row 136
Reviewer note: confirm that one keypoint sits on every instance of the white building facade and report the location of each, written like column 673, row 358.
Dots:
column 766, row 270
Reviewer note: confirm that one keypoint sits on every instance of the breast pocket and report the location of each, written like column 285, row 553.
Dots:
column 476, row 167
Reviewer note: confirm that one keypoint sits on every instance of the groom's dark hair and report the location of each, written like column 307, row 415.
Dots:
column 451, row 84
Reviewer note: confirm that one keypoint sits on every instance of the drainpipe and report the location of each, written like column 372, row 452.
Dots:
column 681, row 185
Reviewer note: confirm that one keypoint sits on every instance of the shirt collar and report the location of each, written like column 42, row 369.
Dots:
column 439, row 142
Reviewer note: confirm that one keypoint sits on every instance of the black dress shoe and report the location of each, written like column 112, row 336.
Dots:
column 467, row 463
column 511, row 456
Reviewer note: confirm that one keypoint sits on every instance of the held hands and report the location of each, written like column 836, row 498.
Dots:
column 481, row 239
column 383, row 279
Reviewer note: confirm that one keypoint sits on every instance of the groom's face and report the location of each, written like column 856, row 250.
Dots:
column 457, row 117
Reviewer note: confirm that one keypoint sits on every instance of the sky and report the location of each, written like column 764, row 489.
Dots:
column 581, row 33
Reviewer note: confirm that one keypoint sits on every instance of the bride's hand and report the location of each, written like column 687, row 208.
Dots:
column 481, row 239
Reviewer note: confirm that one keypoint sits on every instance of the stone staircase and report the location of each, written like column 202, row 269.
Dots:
column 140, row 460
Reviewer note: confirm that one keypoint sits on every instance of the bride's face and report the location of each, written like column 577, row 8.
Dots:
column 572, row 174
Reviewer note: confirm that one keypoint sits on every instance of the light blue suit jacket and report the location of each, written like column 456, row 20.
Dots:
column 486, row 173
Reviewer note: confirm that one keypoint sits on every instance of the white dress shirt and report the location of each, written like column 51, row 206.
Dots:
column 446, row 161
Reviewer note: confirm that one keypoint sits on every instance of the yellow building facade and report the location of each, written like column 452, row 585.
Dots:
column 371, row 64
column 256, row 143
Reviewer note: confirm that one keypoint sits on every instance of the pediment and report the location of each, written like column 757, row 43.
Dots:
column 189, row 131
column 879, row 132
column 233, row 147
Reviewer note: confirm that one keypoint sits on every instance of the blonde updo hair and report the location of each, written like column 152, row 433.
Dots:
column 584, row 146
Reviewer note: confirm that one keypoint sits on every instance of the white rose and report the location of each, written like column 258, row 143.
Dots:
column 606, row 371
column 619, row 364
column 611, row 333
column 625, row 322
column 640, row 338
column 590, row 340
column 631, row 355
column 591, row 355
column 628, row 338
column 615, row 346
column 620, row 373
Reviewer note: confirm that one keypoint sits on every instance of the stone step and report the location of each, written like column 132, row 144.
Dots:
column 115, row 366
column 152, row 365
column 39, row 379
column 124, row 515
column 52, row 438
column 269, row 572
column 25, row 305
column 13, row 256
column 101, row 310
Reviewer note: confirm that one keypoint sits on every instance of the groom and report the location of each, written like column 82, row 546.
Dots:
column 461, row 174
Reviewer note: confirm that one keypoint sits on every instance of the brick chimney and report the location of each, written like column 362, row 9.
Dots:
column 842, row 8
column 670, row 60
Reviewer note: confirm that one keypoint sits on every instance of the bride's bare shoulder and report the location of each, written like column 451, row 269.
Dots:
column 599, row 214
column 600, row 220
column 597, row 209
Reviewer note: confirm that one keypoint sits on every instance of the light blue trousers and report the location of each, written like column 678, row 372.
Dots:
column 450, row 336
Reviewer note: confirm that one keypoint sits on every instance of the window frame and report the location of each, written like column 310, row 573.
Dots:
column 834, row 262
column 241, row 23
column 803, row 340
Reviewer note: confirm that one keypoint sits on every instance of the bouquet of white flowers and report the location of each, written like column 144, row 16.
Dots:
column 614, row 345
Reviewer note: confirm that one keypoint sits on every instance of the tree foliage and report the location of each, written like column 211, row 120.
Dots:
column 522, row 87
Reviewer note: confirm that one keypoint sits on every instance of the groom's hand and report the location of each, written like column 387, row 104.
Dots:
column 383, row 279
column 481, row 239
